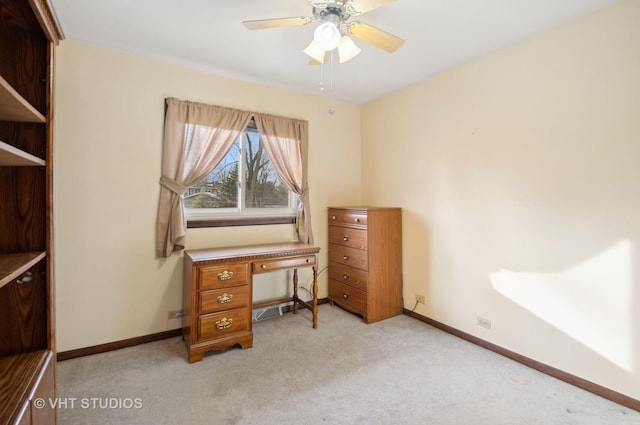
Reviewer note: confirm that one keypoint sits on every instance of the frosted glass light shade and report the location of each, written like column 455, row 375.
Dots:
column 314, row 51
column 347, row 49
column 327, row 36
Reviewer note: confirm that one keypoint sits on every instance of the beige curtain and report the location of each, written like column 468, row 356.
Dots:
column 196, row 138
column 287, row 142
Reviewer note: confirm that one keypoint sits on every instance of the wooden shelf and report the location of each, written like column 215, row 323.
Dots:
column 29, row 32
column 10, row 156
column 14, row 107
column 13, row 265
column 17, row 376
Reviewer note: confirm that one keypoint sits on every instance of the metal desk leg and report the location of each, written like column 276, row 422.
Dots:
column 315, row 298
column 295, row 291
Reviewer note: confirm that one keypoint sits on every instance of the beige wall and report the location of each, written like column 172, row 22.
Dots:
column 519, row 176
column 108, row 132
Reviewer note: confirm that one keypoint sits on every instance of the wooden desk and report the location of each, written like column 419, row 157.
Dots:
column 218, row 292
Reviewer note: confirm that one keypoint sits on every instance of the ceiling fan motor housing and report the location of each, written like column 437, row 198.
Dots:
column 330, row 13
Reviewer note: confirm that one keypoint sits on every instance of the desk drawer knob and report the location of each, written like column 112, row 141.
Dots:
column 225, row 275
column 345, row 295
column 224, row 323
column 264, row 266
column 345, row 276
column 345, row 238
column 333, row 217
column 357, row 220
column 225, row 298
column 308, row 260
column 345, row 257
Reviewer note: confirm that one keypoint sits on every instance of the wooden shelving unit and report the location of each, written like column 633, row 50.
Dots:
column 29, row 34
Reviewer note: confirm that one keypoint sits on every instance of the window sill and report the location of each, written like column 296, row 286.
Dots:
column 239, row 221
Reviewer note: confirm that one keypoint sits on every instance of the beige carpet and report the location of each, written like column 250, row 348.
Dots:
column 398, row 371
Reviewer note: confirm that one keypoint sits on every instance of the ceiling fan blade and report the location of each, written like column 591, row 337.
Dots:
column 358, row 7
column 262, row 24
column 375, row 36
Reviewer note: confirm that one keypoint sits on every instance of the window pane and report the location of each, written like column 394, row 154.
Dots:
column 263, row 188
column 220, row 188
column 243, row 183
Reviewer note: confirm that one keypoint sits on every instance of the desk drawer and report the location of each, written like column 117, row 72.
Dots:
column 348, row 218
column 223, row 299
column 349, row 275
column 346, row 236
column 265, row 266
column 347, row 296
column 222, row 276
column 349, row 256
column 220, row 325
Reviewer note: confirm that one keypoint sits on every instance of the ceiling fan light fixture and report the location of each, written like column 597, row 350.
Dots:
column 314, row 51
column 347, row 49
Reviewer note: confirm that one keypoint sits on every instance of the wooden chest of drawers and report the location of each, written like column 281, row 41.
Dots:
column 365, row 260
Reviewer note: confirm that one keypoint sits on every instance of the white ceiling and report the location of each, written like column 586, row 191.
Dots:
column 209, row 34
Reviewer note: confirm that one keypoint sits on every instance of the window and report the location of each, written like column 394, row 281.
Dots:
column 197, row 137
column 243, row 184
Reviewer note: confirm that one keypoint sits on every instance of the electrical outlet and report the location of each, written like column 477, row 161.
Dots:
column 420, row 298
column 485, row 323
column 176, row 314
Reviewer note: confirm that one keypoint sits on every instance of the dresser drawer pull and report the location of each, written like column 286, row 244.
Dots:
column 345, row 238
column 345, row 295
column 308, row 260
column 345, row 257
column 225, row 275
column 345, row 276
column 264, row 266
column 357, row 220
column 225, row 298
column 224, row 323
column 333, row 217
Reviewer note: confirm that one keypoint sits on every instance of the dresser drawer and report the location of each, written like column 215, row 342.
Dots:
column 222, row 276
column 223, row 299
column 219, row 325
column 349, row 275
column 349, row 256
column 265, row 266
column 347, row 236
column 347, row 296
column 348, row 218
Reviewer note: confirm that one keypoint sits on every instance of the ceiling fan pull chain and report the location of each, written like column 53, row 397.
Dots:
column 331, row 109
column 322, row 85
column 331, row 75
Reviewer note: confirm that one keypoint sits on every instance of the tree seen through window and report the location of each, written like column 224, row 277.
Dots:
column 244, row 179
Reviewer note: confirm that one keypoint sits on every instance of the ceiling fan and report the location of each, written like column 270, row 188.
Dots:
column 334, row 26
